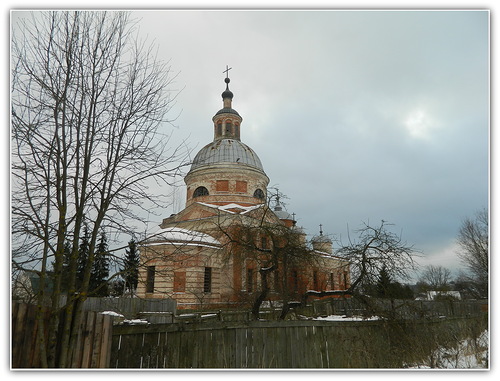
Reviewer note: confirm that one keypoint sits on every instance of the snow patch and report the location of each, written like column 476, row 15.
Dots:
column 469, row 354
column 347, row 318
column 135, row 321
column 112, row 313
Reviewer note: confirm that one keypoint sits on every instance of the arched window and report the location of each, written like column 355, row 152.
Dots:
column 229, row 128
column 259, row 194
column 200, row 191
column 237, row 130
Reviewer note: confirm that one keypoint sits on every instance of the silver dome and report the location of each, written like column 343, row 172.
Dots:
column 282, row 214
column 226, row 151
column 321, row 239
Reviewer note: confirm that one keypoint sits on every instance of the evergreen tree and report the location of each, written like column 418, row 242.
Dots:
column 386, row 288
column 83, row 255
column 65, row 266
column 65, row 269
column 100, row 269
column 383, row 286
column 130, row 269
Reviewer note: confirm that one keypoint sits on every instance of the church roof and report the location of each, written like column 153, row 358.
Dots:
column 227, row 151
column 227, row 110
column 321, row 238
column 282, row 214
column 233, row 208
column 179, row 235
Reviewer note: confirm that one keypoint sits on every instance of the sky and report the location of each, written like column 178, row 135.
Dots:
column 358, row 116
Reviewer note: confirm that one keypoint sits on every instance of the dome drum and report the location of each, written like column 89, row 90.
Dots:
column 220, row 183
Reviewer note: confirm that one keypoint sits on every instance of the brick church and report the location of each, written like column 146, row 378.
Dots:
column 213, row 253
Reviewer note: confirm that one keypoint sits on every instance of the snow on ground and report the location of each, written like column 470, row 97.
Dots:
column 347, row 318
column 469, row 354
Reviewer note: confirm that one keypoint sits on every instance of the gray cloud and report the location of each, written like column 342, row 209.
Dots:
column 356, row 115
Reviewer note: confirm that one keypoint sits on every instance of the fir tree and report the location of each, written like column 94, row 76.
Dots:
column 386, row 288
column 65, row 266
column 83, row 255
column 100, row 268
column 383, row 286
column 130, row 269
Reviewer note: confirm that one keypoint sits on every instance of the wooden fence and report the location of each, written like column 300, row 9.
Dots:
column 93, row 346
column 128, row 307
column 283, row 345
column 228, row 340
column 401, row 308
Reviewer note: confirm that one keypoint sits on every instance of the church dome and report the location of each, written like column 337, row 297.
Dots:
column 321, row 239
column 226, row 151
column 227, row 110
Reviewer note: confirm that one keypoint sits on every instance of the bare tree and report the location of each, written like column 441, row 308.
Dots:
column 436, row 278
column 279, row 255
column 89, row 116
column 376, row 249
column 473, row 239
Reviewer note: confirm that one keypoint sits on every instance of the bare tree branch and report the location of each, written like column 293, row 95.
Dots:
column 90, row 109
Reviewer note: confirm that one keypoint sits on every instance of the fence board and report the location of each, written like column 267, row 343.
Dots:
column 93, row 343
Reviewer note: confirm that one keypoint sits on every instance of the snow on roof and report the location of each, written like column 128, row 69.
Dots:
column 431, row 295
column 324, row 254
column 228, row 207
column 174, row 234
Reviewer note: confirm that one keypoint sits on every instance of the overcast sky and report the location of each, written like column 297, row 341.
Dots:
column 357, row 116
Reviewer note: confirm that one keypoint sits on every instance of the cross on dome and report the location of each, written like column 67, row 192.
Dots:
column 227, row 94
column 227, row 71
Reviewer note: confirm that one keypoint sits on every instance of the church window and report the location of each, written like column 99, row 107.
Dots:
column 207, row 280
column 200, row 191
column 277, row 280
column 150, row 279
column 250, row 280
column 295, row 281
column 237, row 130
column 222, row 185
column 332, row 284
column 219, row 128
column 259, row 194
column 241, row 186
column 179, row 281
column 343, row 281
column 315, row 281
column 229, row 128
column 264, row 244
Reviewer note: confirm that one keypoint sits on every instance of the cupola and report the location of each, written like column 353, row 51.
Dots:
column 226, row 170
column 283, row 215
column 322, row 243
